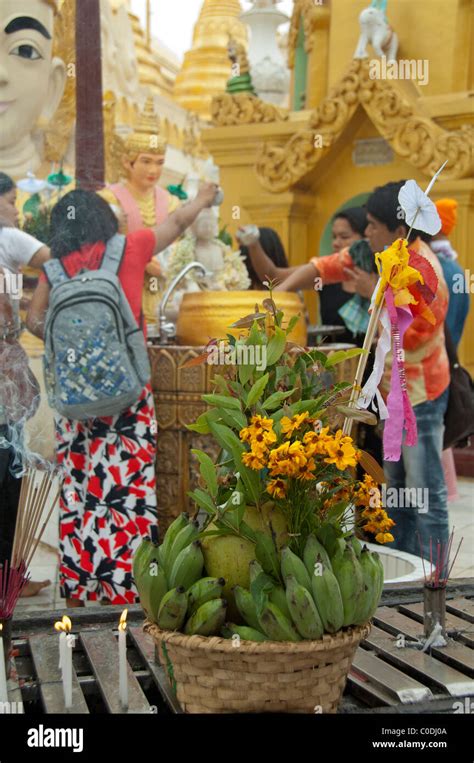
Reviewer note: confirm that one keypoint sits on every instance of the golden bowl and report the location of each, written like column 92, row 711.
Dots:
column 207, row 315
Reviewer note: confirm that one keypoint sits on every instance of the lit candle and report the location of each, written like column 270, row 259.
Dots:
column 123, row 674
column 65, row 657
column 3, row 674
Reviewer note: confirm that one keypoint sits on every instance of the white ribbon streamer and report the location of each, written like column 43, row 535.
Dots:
column 370, row 391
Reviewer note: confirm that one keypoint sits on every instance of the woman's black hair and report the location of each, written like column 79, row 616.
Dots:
column 356, row 217
column 383, row 204
column 272, row 246
column 6, row 184
column 80, row 217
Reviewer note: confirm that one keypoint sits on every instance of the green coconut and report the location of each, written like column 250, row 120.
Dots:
column 228, row 556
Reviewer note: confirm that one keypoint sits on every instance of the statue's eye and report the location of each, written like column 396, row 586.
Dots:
column 26, row 51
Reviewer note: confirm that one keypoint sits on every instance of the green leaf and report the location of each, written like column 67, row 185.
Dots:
column 221, row 383
column 245, row 372
column 267, row 554
column 341, row 355
column 260, row 588
column 228, row 439
column 292, row 323
column 235, row 419
column 276, row 346
column 223, row 401
column 256, row 390
column 203, row 500
column 207, row 469
column 248, row 531
column 276, row 399
column 201, row 425
column 255, row 335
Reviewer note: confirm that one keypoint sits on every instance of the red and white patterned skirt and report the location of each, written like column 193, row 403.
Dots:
column 108, row 500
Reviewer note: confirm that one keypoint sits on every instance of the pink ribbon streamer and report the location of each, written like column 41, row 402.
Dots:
column 400, row 412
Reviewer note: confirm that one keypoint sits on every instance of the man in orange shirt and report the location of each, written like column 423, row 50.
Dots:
column 426, row 366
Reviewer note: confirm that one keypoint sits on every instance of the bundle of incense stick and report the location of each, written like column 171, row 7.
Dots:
column 12, row 582
column 39, row 492
column 441, row 565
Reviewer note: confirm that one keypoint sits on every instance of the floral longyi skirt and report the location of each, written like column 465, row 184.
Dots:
column 107, row 501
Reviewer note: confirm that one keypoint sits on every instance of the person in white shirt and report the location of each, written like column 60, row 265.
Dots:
column 17, row 250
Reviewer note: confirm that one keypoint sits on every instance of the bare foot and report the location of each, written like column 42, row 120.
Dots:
column 34, row 587
column 74, row 603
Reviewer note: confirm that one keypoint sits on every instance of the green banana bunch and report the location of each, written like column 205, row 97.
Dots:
column 348, row 573
column 172, row 610
column 293, row 565
column 187, row 567
column 246, row 606
column 175, row 527
column 245, row 632
column 368, row 602
column 138, row 556
column 312, row 550
column 328, row 599
column 275, row 625
column 204, row 590
column 278, row 597
column 303, row 610
column 208, row 619
column 184, row 537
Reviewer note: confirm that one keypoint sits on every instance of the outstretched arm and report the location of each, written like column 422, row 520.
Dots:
column 302, row 277
column 175, row 225
column 36, row 316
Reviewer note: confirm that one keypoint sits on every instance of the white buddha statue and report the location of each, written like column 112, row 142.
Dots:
column 226, row 269
column 32, row 81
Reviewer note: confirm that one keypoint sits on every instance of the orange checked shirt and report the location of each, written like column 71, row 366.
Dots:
column 426, row 360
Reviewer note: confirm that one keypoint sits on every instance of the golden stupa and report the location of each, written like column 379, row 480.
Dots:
column 206, row 67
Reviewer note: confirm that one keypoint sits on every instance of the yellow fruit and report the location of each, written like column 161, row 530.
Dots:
column 229, row 556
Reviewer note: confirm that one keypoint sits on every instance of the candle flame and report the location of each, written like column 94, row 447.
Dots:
column 64, row 625
column 123, row 620
column 1, row 627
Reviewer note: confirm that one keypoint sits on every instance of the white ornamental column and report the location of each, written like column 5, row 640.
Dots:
column 270, row 75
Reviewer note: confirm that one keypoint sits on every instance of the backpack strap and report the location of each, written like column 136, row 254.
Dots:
column 114, row 252
column 54, row 272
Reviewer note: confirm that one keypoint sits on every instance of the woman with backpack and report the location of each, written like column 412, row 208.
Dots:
column 95, row 360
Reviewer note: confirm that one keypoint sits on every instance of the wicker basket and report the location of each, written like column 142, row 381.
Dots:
column 212, row 675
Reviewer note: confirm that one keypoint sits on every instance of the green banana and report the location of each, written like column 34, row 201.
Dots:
column 175, row 527
column 356, row 545
column 303, row 610
column 369, row 598
column 172, row 611
column 246, row 606
column 187, row 567
column 183, row 539
column 312, row 550
column 204, row 590
column 139, row 554
column 349, row 576
column 208, row 619
column 275, row 625
column 148, row 554
column 293, row 565
column 245, row 632
column 278, row 597
column 155, row 590
column 381, row 578
column 255, row 568
column 328, row 599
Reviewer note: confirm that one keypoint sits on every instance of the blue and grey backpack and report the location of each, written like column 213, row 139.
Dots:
column 95, row 362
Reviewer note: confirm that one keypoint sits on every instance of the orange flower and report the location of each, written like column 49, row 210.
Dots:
column 277, row 488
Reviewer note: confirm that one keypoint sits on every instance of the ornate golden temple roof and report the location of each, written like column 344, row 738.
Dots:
column 206, row 67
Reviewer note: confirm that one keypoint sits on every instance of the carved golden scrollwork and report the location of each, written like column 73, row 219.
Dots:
column 244, row 108
column 58, row 133
column 114, row 145
column 419, row 139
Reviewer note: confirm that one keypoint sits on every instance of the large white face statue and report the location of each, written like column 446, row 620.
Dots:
column 205, row 227
column 31, row 80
